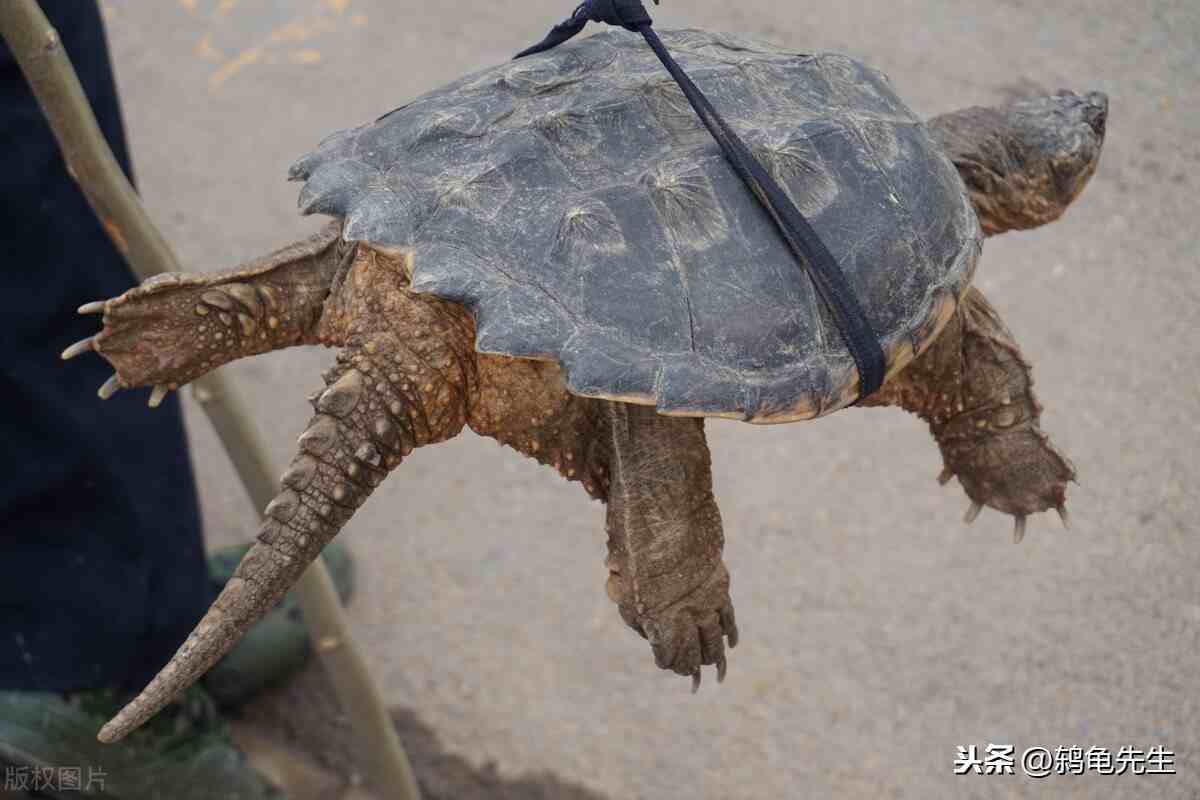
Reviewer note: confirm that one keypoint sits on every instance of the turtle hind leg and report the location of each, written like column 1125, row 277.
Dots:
column 174, row 328
column 389, row 393
column 974, row 388
column 665, row 538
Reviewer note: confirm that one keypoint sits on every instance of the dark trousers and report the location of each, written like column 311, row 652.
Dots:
column 102, row 568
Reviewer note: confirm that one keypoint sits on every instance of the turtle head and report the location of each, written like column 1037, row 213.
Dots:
column 1024, row 163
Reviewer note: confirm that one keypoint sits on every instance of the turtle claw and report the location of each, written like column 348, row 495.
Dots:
column 156, row 396
column 973, row 512
column 1064, row 516
column 82, row 346
column 945, row 476
column 688, row 639
column 1019, row 529
column 109, row 388
column 729, row 624
column 95, row 307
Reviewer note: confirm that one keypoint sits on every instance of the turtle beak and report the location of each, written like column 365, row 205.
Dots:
column 1096, row 111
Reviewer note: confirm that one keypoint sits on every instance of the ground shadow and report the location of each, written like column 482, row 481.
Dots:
column 303, row 712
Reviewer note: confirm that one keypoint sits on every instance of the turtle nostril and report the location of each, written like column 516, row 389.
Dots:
column 1097, row 111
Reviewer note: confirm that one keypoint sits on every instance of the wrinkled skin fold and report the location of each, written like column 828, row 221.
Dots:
column 407, row 375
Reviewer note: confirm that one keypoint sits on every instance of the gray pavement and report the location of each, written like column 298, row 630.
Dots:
column 879, row 632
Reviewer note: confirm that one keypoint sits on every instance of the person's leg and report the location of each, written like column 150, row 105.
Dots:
column 103, row 569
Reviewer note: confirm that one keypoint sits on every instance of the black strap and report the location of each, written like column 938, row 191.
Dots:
column 806, row 245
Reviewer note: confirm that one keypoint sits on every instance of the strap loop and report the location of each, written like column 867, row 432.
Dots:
column 629, row 14
column 801, row 238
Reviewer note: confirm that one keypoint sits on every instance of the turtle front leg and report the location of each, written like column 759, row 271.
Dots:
column 665, row 539
column 974, row 388
column 176, row 327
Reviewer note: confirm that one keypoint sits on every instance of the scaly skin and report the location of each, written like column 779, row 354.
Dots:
column 408, row 375
column 400, row 382
column 664, row 540
column 264, row 305
column 974, row 389
column 1024, row 163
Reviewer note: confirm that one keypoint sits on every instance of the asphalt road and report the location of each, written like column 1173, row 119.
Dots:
column 879, row 632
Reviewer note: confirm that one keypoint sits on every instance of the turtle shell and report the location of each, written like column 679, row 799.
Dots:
column 574, row 203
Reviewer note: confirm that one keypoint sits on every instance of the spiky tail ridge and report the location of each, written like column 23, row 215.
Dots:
column 383, row 399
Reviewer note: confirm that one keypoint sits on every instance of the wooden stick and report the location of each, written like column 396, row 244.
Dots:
column 39, row 52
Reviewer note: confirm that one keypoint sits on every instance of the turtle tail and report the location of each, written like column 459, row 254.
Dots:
column 382, row 400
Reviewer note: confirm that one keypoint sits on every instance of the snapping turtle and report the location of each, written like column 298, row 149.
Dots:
column 555, row 253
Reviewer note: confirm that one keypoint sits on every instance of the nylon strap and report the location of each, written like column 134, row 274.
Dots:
column 860, row 338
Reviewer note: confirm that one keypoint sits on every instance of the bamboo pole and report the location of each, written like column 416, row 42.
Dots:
column 39, row 52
